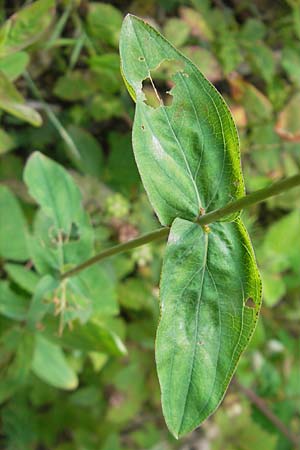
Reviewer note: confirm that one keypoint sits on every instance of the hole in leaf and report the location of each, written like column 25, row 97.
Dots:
column 141, row 58
column 158, row 85
column 250, row 303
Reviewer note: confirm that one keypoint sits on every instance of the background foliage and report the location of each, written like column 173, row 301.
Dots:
column 77, row 363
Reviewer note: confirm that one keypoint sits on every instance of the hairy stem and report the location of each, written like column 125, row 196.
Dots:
column 230, row 208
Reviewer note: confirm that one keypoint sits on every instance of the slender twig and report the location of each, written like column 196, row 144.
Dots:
column 145, row 239
column 250, row 199
column 233, row 207
column 263, row 407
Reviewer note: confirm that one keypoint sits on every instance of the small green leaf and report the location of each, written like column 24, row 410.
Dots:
column 13, row 102
column 90, row 153
column 50, row 365
column 187, row 153
column 91, row 337
column 24, row 277
column 121, row 171
column 62, row 204
column 104, row 22
column 13, row 227
column 210, row 299
column 26, row 26
column 73, row 86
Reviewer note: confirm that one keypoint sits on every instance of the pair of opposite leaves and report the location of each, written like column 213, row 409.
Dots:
column 189, row 161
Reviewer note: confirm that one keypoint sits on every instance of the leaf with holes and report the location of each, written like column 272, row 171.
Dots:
column 187, row 152
column 188, row 155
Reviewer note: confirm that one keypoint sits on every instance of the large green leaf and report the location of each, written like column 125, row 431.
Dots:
column 188, row 152
column 210, row 299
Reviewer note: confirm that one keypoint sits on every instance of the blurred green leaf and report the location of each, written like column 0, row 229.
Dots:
column 74, row 86
column 91, row 337
column 7, row 142
column 273, row 287
column 22, row 276
column 13, row 65
column 104, row 22
column 107, row 68
column 291, row 62
column 62, row 206
column 197, row 24
column 26, row 26
column 20, row 344
column 205, row 61
column 13, row 102
column 121, row 172
column 98, row 284
column 288, row 123
column 135, row 295
column 50, row 365
column 262, row 60
column 176, row 31
column 90, row 158
column 13, row 227
column 103, row 107
column 12, row 305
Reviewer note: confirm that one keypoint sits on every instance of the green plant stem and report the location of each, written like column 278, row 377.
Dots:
column 250, row 199
column 145, row 239
column 230, row 208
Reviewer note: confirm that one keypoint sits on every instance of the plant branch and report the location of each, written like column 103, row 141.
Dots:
column 233, row 207
column 145, row 239
column 250, row 199
column 267, row 412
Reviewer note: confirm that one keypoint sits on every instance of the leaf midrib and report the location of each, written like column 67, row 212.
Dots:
column 169, row 123
column 204, row 262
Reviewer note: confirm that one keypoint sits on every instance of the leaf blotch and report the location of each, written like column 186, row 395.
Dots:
column 250, row 303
